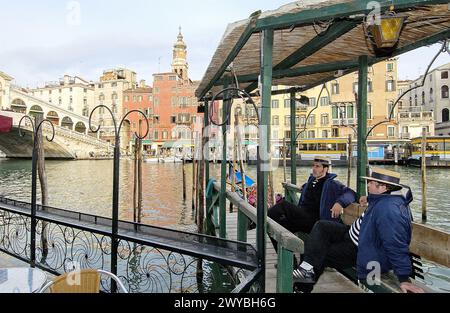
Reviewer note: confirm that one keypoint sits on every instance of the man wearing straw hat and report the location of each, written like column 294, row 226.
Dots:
column 380, row 237
column 323, row 198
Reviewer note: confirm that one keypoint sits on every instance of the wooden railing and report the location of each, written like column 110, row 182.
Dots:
column 288, row 243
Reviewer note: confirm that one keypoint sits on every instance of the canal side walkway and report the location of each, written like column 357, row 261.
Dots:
column 330, row 282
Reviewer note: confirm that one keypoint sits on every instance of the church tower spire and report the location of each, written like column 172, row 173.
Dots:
column 179, row 62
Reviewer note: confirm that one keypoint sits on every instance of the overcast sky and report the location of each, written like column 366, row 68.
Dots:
column 45, row 39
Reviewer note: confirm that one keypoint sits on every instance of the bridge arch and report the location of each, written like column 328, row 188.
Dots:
column 36, row 110
column 19, row 106
column 53, row 117
column 67, row 123
column 80, row 128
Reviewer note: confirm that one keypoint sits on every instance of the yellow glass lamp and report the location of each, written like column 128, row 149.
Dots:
column 387, row 34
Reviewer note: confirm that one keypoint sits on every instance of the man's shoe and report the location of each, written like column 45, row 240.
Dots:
column 303, row 276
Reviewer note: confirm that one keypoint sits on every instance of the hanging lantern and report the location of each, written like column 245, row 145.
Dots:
column 387, row 33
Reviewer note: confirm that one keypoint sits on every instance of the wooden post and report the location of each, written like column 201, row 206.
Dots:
column 362, row 126
column 284, row 160
column 44, row 186
column 424, row 175
column 139, row 207
column 193, row 174
column 184, row 177
column 135, row 179
column 293, row 140
column 349, row 159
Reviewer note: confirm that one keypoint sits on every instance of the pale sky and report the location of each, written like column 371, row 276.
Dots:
column 43, row 40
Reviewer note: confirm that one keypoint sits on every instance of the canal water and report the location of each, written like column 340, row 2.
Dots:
column 86, row 186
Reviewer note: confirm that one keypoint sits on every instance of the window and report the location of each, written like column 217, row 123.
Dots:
column 287, row 134
column 275, row 134
column 49, row 92
column 335, row 112
column 415, row 100
column 101, row 97
column 71, row 89
column 59, row 101
column 444, row 92
column 390, row 67
column 423, row 97
column 355, row 87
column 312, row 101
column 287, row 120
column 370, row 86
column 324, row 133
column 60, row 90
column 389, row 107
column 350, row 111
column 85, row 90
column 287, row 103
column 113, row 84
column 156, row 135
column 324, row 101
column 444, row 75
column 369, row 111
column 174, row 101
column 173, row 119
column 335, row 132
column 164, row 134
column 156, row 119
column 158, row 78
column 324, row 120
column 431, row 95
column 156, row 101
column 156, row 90
column 85, row 101
column 445, row 115
column 390, row 85
column 172, row 77
column 150, row 98
column 312, row 134
column 140, row 99
column 312, row 120
column 391, row 131
column 275, row 104
column 127, row 98
column 302, row 121
column 275, row 120
column 335, row 88
column 85, row 111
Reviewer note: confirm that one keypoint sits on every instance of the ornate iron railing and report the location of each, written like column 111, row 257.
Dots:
column 77, row 240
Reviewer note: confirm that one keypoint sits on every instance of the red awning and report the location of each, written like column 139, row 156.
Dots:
column 5, row 124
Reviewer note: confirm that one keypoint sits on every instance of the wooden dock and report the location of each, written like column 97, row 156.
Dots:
column 330, row 282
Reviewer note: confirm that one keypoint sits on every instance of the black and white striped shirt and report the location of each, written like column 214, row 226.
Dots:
column 354, row 230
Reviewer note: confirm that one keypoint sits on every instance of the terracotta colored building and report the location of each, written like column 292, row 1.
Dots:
column 140, row 98
column 170, row 105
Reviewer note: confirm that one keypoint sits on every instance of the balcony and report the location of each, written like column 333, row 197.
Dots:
column 415, row 116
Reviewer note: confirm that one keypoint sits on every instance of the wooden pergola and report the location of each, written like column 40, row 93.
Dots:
column 306, row 44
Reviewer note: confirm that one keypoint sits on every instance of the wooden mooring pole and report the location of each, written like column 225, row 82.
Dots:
column 284, row 160
column 424, row 175
column 349, row 159
column 44, row 186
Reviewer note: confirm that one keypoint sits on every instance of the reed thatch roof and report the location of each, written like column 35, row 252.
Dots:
column 313, row 39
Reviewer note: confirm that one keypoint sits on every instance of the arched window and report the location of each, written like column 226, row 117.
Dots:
column 445, row 115
column 423, row 97
column 444, row 92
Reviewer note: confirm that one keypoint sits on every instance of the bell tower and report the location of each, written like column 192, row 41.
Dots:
column 179, row 62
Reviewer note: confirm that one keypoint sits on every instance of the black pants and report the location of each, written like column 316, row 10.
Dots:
column 329, row 245
column 293, row 218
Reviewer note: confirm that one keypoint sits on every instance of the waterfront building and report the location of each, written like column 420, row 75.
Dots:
column 71, row 93
column 433, row 97
column 5, row 82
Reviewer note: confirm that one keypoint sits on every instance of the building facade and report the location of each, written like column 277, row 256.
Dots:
column 109, row 91
column 433, row 97
column 5, row 83
column 74, row 94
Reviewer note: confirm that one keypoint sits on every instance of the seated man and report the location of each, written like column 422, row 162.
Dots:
column 340, row 246
column 323, row 198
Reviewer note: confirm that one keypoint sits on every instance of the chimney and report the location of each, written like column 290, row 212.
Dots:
column 142, row 83
column 66, row 79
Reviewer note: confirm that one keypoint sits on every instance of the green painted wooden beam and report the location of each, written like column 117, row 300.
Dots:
column 362, row 126
column 242, row 226
column 249, row 30
column 293, row 141
column 264, row 148
column 341, row 10
column 223, row 173
column 284, row 270
column 335, row 31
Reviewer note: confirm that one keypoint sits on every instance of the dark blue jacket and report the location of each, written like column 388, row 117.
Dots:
column 333, row 192
column 385, row 236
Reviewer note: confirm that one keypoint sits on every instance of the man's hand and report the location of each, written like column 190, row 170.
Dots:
column 337, row 210
column 410, row 288
column 363, row 201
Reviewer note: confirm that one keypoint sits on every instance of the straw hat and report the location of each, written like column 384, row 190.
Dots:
column 325, row 161
column 386, row 177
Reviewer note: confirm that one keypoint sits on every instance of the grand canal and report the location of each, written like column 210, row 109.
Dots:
column 86, row 186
